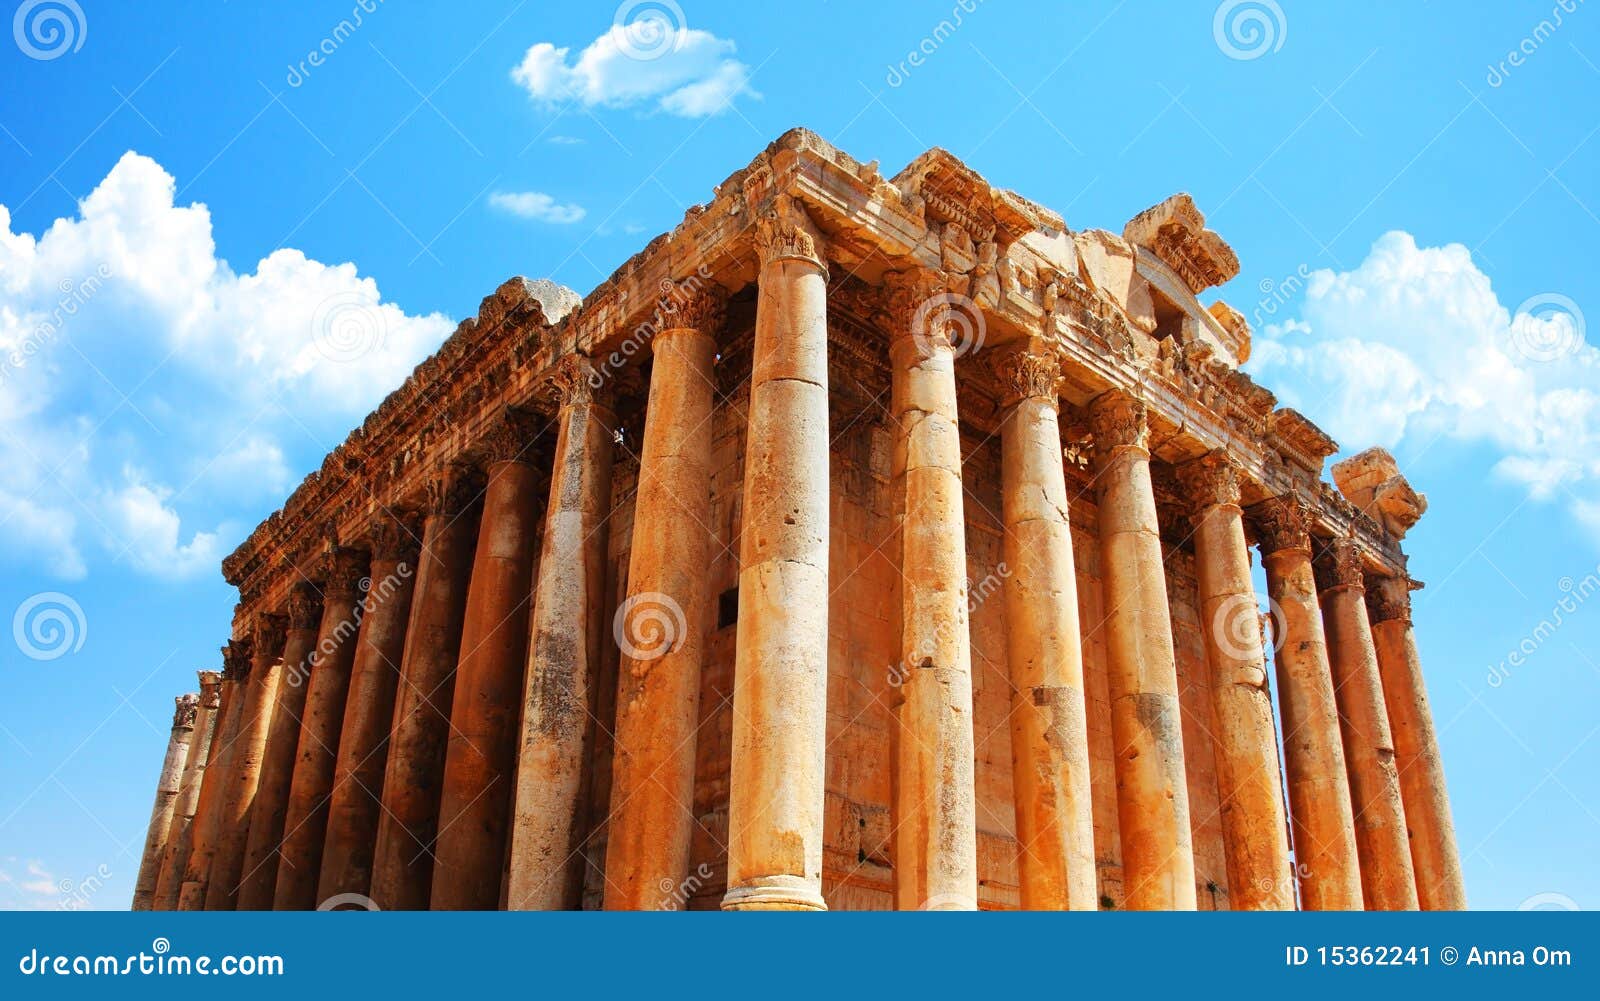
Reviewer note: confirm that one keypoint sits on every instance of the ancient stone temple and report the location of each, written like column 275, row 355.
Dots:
column 863, row 542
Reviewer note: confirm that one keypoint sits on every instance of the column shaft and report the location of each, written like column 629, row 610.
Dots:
column 357, row 796
column 168, row 786
column 207, row 826
column 262, row 850
column 180, row 837
column 775, row 812
column 1049, row 726
column 662, row 622
column 1434, row 855
column 546, row 869
column 402, row 864
column 481, row 757
column 305, row 822
column 1313, row 754
column 936, row 795
column 1146, row 728
column 244, row 767
column 1249, row 781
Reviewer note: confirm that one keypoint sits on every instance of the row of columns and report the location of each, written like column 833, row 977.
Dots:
column 428, row 749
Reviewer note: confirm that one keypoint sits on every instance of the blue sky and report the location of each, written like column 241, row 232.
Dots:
column 202, row 227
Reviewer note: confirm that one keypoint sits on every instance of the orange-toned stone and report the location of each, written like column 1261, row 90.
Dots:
column 168, row 786
column 207, row 826
column 180, row 838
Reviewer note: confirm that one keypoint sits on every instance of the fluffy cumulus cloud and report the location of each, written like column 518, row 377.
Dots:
column 1414, row 346
column 652, row 60
column 536, row 205
column 153, row 400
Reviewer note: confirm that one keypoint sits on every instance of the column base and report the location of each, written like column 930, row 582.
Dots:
column 774, row 893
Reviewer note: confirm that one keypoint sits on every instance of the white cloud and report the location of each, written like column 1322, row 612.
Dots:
column 1414, row 345
column 681, row 71
column 153, row 400
column 536, row 205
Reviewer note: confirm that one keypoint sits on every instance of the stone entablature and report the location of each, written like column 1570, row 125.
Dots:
column 1016, row 260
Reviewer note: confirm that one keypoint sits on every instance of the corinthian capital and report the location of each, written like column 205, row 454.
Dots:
column 510, row 436
column 210, row 689
column 1210, row 480
column 346, row 566
column 694, row 303
column 185, row 708
column 1029, row 375
column 236, row 659
column 785, row 232
column 453, row 489
column 396, row 537
column 569, row 382
column 1118, row 421
column 305, row 606
column 1337, row 564
column 1389, row 599
column 1280, row 522
column 269, row 632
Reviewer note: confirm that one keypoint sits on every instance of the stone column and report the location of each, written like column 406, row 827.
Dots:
column 180, row 837
column 402, row 863
column 1249, row 782
column 481, row 757
column 1146, row 729
column 546, row 868
column 168, row 786
column 369, row 710
column 662, row 623
column 283, row 739
column 1434, row 855
column 1387, row 880
column 1049, row 728
column 780, row 697
column 244, row 766
column 936, row 846
column 305, row 822
column 1313, row 755
column 207, row 826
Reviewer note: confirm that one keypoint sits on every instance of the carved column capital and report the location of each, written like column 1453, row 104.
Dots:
column 237, row 656
column 1280, row 523
column 1338, row 564
column 184, row 710
column 693, row 303
column 305, row 606
column 1389, row 599
column 1118, row 421
column 784, row 232
column 510, row 436
column 1029, row 375
column 1210, row 480
column 396, row 536
column 569, row 382
column 455, row 487
column 346, row 566
column 210, row 689
column 268, row 634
